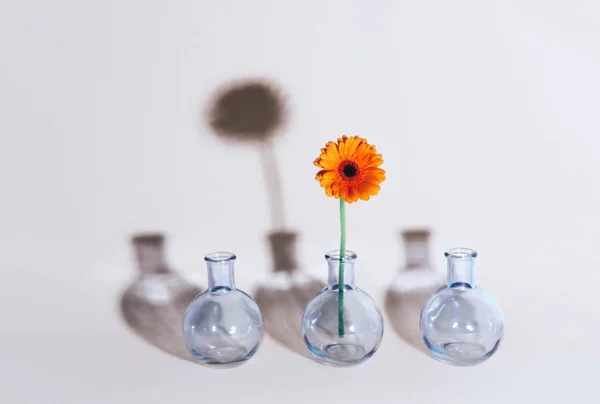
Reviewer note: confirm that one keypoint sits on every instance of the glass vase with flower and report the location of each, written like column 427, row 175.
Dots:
column 342, row 325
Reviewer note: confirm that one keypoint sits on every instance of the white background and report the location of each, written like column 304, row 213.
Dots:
column 486, row 114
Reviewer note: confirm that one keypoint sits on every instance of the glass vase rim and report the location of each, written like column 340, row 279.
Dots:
column 220, row 256
column 334, row 255
column 461, row 253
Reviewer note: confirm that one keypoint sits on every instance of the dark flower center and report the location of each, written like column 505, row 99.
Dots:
column 350, row 170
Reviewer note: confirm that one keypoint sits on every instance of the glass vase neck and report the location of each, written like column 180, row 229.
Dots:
column 333, row 262
column 150, row 253
column 220, row 270
column 461, row 265
column 416, row 248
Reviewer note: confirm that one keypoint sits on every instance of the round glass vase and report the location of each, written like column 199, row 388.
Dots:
column 361, row 330
column 461, row 324
column 222, row 325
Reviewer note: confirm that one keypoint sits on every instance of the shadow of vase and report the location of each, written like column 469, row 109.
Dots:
column 283, row 297
column 411, row 288
column 153, row 306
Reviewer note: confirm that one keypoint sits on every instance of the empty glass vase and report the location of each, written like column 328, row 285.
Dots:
column 222, row 325
column 358, row 335
column 461, row 323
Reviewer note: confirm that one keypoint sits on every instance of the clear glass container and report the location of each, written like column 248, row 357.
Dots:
column 153, row 305
column 222, row 325
column 461, row 324
column 362, row 328
column 412, row 287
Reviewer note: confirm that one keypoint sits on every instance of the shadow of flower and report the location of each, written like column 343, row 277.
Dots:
column 250, row 110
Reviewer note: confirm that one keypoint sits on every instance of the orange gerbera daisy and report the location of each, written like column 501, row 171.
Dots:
column 350, row 169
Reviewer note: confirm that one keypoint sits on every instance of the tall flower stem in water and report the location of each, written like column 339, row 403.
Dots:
column 341, row 273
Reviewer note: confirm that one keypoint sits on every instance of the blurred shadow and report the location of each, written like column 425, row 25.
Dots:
column 253, row 112
column 153, row 306
column 412, row 287
column 283, row 297
column 247, row 111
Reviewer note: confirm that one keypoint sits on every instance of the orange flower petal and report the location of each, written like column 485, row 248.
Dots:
column 324, row 163
column 332, row 151
column 350, row 169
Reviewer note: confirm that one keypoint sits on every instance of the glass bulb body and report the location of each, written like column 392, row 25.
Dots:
column 222, row 325
column 461, row 324
column 362, row 320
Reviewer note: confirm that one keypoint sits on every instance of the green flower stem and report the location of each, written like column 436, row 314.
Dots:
column 341, row 273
